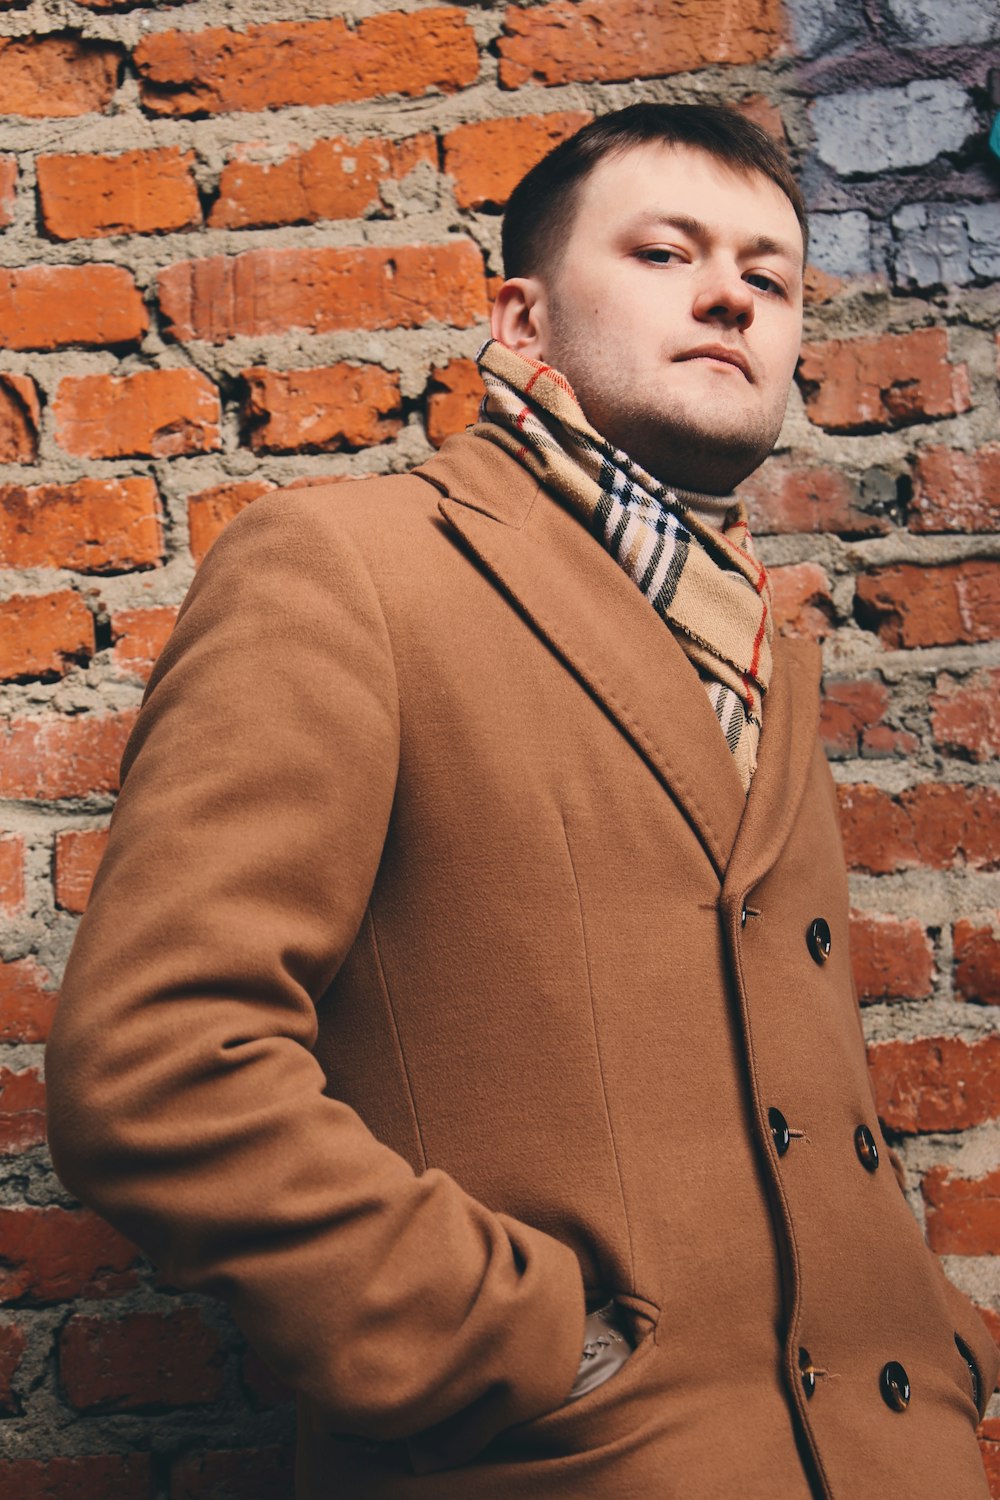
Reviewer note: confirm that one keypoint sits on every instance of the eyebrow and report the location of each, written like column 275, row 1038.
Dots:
column 758, row 244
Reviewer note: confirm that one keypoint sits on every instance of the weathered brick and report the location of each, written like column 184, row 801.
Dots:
column 929, row 824
column 8, row 190
column 44, row 634
column 91, row 525
column 22, row 1110
column 101, row 1476
column 20, row 414
column 892, row 958
column 55, row 1254
column 963, row 1214
column 569, row 41
column 822, row 26
column 936, row 1083
column 989, row 1451
column 801, row 598
column 323, row 290
column 955, row 491
column 12, row 847
column 48, row 759
column 138, row 192
column 210, row 511
column 322, row 62
column 852, row 722
column 332, row 179
column 866, row 131
column 79, row 851
column 156, row 412
column 51, row 307
column 965, row 713
column 488, row 158
column 27, row 1001
column 139, row 636
column 841, row 243
column 945, row 244
column 977, row 959
column 236, row 1474
column 782, row 498
column 331, row 407
column 56, row 75
column 141, row 1359
column 759, row 109
column 923, row 24
column 947, row 605
column 453, row 398
column 13, row 1344
column 874, row 384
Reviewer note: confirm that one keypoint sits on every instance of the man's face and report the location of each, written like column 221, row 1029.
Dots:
column 675, row 312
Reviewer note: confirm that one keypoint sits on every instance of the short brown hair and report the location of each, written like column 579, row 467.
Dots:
column 539, row 216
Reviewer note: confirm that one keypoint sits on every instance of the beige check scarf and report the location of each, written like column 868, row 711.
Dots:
column 705, row 583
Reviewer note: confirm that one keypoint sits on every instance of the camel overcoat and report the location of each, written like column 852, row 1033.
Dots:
column 438, row 981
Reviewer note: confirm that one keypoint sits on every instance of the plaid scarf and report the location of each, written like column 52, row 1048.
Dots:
column 706, row 584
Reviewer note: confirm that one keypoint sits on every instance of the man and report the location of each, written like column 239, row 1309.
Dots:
column 470, row 950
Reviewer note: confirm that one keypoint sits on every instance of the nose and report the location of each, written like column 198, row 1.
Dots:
column 724, row 297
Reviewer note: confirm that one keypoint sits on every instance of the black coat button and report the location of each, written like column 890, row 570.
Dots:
column 894, row 1383
column 779, row 1129
column 819, row 940
column 864, row 1145
column 807, row 1372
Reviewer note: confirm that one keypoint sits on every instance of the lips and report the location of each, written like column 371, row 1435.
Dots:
column 720, row 352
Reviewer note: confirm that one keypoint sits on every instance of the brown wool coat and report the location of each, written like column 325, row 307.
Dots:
column 414, row 999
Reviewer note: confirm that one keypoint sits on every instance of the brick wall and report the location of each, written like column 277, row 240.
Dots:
column 237, row 254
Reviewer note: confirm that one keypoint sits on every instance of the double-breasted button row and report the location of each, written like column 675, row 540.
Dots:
column 893, row 1382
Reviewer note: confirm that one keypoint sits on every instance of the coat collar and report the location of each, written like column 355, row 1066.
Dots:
column 594, row 618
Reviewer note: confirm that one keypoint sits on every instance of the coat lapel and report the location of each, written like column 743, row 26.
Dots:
column 595, row 619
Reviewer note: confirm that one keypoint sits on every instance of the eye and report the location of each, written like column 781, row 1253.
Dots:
column 765, row 283
column 656, row 255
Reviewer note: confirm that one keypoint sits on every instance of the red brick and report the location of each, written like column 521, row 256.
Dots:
column 102, row 1476
column 51, row 307
column 931, row 824
column 91, row 525
column 331, row 407
column 570, row 41
column 892, row 958
column 210, row 511
column 265, row 1388
column 156, row 412
column 956, row 491
column 79, row 851
column 989, row 1449
column 56, row 75
column 20, row 414
column 322, row 62
column 936, row 1083
column 323, row 290
column 12, row 847
column 977, row 960
column 138, row 192
column 141, row 1359
column 873, row 384
column 8, row 190
column 56, row 1254
column 850, row 709
column 332, row 179
column 488, row 158
column 237, row 1474
column 13, row 1343
column 963, row 1214
column 139, row 636
column 946, row 605
column 965, row 713
column 44, row 634
column 46, row 759
column 800, row 595
column 781, row 499
column 22, row 1110
column 453, row 398
column 762, row 112
column 27, row 1001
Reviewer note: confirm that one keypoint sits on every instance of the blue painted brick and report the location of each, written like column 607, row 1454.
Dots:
column 822, row 27
column 946, row 244
column 878, row 130
column 945, row 23
column 841, row 243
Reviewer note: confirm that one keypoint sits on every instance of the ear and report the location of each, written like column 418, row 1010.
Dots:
column 520, row 317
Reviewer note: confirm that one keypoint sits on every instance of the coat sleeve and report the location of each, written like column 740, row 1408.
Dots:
column 186, row 1105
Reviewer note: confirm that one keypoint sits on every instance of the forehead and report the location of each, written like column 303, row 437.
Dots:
column 653, row 179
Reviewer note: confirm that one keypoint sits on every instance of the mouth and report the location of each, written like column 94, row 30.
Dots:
column 720, row 354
